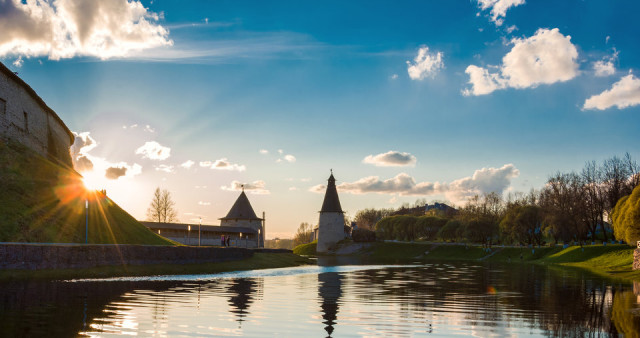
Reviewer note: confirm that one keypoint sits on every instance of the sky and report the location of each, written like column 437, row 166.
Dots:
column 404, row 100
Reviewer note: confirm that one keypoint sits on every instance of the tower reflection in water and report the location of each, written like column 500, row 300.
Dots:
column 241, row 294
column 330, row 291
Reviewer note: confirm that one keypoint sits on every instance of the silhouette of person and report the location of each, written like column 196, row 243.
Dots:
column 228, row 240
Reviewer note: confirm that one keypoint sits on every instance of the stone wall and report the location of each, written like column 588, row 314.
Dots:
column 25, row 117
column 636, row 259
column 35, row 256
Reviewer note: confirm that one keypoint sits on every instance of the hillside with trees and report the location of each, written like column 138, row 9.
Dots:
column 572, row 207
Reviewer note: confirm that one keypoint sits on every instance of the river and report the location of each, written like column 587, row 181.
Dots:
column 422, row 299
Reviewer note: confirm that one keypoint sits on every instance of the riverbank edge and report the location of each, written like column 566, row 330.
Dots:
column 613, row 261
column 258, row 261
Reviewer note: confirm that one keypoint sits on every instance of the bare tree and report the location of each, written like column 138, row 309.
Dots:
column 303, row 235
column 162, row 208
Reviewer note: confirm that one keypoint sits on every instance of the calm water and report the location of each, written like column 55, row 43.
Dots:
column 356, row 300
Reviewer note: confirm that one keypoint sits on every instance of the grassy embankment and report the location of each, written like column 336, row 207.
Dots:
column 258, row 261
column 44, row 202
column 614, row 261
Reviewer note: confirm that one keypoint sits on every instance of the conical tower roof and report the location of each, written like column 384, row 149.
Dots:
column 331, row 201
column 242, row 209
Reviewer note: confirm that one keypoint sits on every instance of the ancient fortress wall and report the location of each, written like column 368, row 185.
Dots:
column 24, row 117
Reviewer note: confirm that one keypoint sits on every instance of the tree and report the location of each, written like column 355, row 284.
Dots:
column 626, row 217
column 367, row 218
column 162, row 208
column 303, row 235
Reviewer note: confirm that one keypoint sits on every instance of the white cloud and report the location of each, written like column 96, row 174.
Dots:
column 188, row 164
column 391, row 159
column 606, row 66
column 482, row 181
column 148, row 129
column 264, row 151
column 67, row 28
column 511, row 29
column 164, row 167
column 545, row 58
column 394, row 76
column 223, row 164
column 18, row 62
column 498, row 8
column 256, row 187
column 113, row 171
column 280, row 151
column 154, row 151
column 204, row 203
column 624, row 93
column 289, row 158
column 293, row 188
column 425, row 64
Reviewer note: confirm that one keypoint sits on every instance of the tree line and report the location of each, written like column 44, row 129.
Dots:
column 571, row 207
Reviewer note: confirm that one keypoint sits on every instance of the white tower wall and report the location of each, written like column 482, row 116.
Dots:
column 330, row 230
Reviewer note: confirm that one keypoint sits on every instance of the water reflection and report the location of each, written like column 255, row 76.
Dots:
column 241, row 296
column 329, row 290
column 438, row 298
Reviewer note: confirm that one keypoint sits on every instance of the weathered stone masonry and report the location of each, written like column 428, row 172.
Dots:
column 25, row 117
column 37, row 257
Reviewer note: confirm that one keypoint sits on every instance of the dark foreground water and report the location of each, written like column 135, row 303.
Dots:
column 439, row 299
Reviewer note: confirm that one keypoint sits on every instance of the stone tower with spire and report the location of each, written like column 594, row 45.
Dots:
column 331, row 223
column 242, row 215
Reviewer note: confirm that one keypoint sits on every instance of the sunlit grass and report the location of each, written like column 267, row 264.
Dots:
column 44, row 202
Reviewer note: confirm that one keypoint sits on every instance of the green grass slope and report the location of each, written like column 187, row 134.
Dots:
column 41, row 201
column 308, row 249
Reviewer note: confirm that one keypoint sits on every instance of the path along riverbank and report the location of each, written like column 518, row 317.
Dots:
column 61, row 261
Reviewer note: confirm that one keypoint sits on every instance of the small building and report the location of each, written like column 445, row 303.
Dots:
column 331, row 228
column 242, row 215
column 194, row 234
column 26, row 118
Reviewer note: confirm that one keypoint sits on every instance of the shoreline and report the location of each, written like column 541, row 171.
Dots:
column 259, row 261
column 612, row 261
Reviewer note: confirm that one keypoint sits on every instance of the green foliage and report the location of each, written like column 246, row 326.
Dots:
column 626, row 217
column 308, row 249
column 409, row 228
column 363, row 235
column 45, row 202
column 451, row 231
column 522, row 224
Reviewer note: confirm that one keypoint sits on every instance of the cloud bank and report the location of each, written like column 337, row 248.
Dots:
column 624, row 93
column 482, row 181
column 68, row 28
column 391, row 159
column 545, row 58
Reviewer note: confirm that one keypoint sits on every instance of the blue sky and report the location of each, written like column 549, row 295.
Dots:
column 448, row 98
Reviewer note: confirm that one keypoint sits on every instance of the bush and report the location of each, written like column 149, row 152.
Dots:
column 363, row 235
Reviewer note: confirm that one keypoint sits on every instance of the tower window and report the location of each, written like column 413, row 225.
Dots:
column 26, row 121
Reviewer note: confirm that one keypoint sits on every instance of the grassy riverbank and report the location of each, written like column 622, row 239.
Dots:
column 613, row 261
column 258, row 261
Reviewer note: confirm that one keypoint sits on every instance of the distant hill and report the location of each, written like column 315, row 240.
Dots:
column 41, row 201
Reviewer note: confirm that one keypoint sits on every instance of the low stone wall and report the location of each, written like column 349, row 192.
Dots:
column 36, row 256
column 636, row 259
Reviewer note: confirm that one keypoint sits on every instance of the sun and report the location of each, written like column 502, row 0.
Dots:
column 93, row 181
